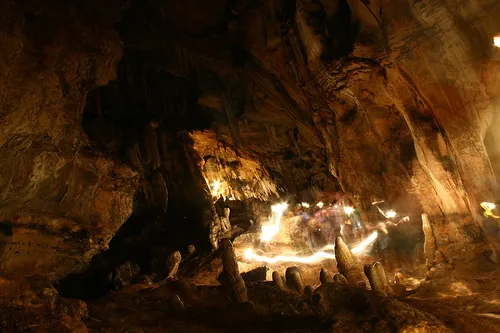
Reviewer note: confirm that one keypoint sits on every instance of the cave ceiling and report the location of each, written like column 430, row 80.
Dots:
column 378, row 99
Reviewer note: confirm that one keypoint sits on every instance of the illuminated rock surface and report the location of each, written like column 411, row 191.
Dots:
column 134, row 130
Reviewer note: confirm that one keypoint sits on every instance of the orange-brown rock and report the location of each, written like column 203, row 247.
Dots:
column 62, row 201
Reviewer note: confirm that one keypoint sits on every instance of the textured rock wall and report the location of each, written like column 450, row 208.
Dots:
column 61, row 202
column 385, row 99
column 402, row 108
column 240, row 177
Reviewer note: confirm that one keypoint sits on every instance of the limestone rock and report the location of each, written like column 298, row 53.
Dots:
column 33, row 303
column 257, row 274
column 278, row 280
column 61, row 200
column 347, row 264
column 294, row 280
column 173, row 263
column 325, row 276
column 340, row 279
column 230, row 277
column 125, row 275
column 378, row 280
column 430, row 246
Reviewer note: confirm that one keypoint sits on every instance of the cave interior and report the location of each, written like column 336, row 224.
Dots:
column 249, row 166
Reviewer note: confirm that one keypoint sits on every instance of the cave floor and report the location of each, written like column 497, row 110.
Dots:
column 461, row 300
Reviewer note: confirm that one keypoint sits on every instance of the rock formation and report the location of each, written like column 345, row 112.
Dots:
column 62, row 201
column 347, row 264
column 130, row 129
column 230, row 277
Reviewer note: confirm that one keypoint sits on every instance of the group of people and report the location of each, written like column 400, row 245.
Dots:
column 322, row 225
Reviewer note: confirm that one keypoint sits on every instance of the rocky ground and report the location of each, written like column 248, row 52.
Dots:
column 450, row 299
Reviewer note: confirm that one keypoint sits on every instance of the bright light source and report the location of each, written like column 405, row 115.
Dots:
column 269, row 231
column 320, row 204
column 488, row 209
column 376, row 202
column 496, row 41
column 488, row 205
column 215, row 188
column 390, row 214
column 305, row 205
column 279, row 208
column 348, row 210
column 316, row 257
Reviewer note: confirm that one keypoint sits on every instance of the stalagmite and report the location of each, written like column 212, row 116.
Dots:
column 347, row 265
column 213, row 239
column 430, row 246
column 230, row 277
column 294, row 280
column 191, row 249
column 378, row 280
column 325, row 276
column 340, row 279
column 173, row 262
column 225, row 220
column 214, row 227
column 278, row 280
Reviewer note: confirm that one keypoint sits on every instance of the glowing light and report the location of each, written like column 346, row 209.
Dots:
column 376, row 202
column 319, row 256
column 496, row 41
column 488, row 209
column 269, row 231
column 279, row 208
column 305, row 205
column 214, row 188
column 488, row 205
column 348, row 210
column 320, row 204
column 390, row 214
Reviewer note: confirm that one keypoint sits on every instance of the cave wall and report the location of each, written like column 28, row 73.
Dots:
column 380, row 99
column 62, row 201
column 402, row 110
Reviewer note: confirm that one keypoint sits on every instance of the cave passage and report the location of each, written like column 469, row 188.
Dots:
column 251, row 166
